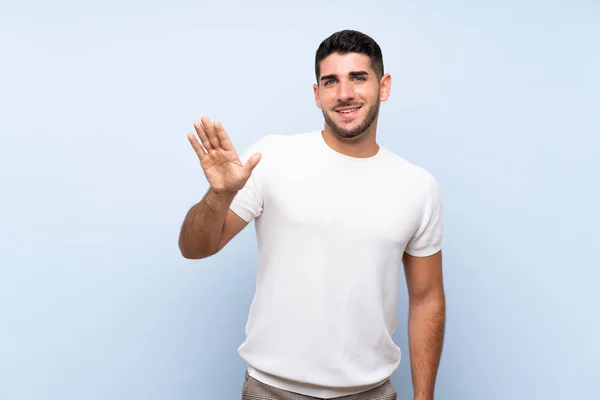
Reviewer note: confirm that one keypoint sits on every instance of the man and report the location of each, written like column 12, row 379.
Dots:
column 336, row 215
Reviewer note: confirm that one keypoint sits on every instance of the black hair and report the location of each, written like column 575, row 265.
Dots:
column 350, row 41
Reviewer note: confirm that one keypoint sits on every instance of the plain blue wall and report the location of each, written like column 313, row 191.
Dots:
column 501, row 101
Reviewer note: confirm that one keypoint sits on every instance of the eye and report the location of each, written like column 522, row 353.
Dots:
column 329, row 82
column 360, row 78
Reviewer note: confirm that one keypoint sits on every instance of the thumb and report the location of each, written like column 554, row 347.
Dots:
column 251, row 163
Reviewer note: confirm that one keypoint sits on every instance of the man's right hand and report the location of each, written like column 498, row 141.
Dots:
column 222, row 167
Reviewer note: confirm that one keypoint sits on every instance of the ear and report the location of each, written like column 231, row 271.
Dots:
column 385, row 85
column 317, row 98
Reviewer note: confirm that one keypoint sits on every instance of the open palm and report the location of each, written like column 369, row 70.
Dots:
column 219, row 159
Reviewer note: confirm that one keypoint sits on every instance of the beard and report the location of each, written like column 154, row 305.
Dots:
column 355, row 132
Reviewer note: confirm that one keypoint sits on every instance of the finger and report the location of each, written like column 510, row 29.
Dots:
column 202, row 135
column 252, row 163
column 210, row 132
column 197, row 146
column 224, row 140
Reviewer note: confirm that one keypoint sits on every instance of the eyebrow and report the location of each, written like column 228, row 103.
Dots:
column 352, row 73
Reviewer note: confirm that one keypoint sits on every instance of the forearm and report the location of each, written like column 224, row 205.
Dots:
column 426, row 328
column 203, row 225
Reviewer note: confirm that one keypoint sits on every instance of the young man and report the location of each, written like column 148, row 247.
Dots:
column 336, row 216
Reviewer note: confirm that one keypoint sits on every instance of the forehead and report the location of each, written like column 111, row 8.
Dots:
column 341, row 64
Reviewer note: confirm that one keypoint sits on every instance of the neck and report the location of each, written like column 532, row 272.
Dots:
column 362, row 146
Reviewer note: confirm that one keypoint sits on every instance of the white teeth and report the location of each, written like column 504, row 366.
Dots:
column 348, row 111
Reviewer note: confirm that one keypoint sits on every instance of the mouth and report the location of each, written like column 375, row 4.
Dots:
column 348, row 112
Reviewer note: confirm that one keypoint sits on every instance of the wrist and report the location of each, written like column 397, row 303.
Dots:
column 222, row 193
column 423, row 397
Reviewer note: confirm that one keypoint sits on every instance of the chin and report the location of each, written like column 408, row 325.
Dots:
column 348, row 133
column 351, row 130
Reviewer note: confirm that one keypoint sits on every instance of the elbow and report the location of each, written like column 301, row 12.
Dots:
column 432, row 298
column 190, row 256
column 193, row 253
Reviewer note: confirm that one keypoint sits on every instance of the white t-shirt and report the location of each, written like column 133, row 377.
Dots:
column 331, row 232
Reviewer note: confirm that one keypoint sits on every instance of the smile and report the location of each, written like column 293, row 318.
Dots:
column 348, row 111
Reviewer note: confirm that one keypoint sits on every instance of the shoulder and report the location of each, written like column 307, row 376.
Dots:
column 407, row 168
column 419, row 178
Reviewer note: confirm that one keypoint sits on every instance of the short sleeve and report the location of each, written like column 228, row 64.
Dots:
column 248, row 202
column 427, row 239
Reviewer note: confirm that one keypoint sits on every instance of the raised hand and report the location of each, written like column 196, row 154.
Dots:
column 219, row 160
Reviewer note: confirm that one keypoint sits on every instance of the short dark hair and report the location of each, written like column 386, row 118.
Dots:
column 350, row 41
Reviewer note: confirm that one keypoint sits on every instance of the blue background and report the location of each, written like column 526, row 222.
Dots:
column 499, row 99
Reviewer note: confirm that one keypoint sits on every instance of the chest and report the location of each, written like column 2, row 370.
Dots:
column 352, row 205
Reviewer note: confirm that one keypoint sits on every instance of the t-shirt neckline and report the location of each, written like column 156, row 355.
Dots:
column 335, row 153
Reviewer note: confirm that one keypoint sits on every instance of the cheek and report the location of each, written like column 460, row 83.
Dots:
column 328, row 101
column 370, row 94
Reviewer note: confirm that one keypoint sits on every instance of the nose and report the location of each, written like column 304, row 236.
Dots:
column 345, row 91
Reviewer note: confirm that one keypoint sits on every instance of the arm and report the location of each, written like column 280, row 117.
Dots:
column 426, row 323
column 209, row 226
